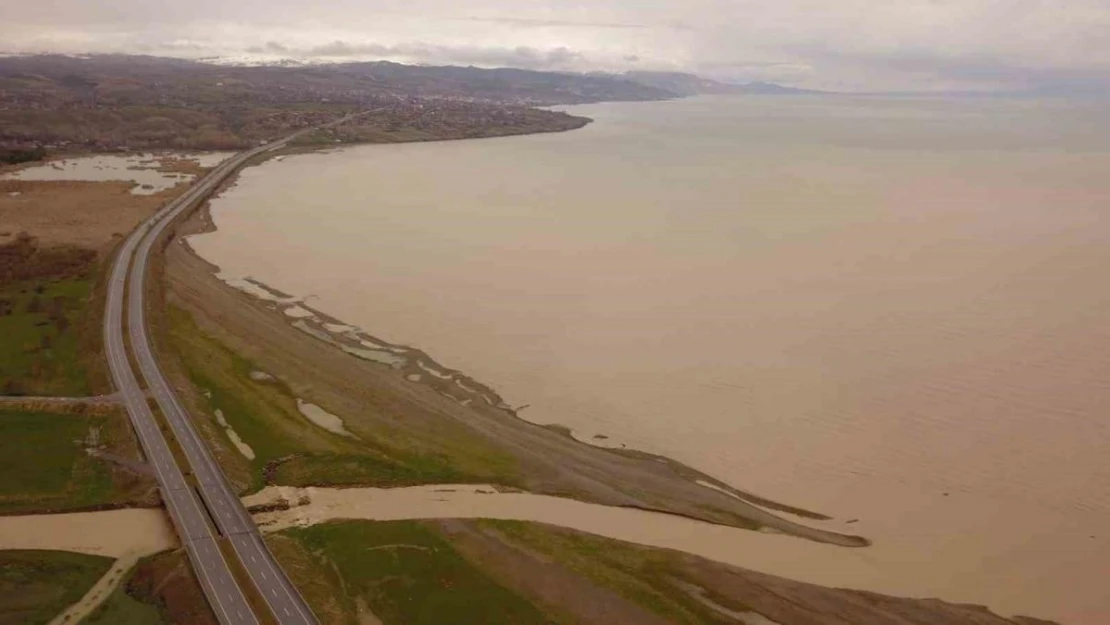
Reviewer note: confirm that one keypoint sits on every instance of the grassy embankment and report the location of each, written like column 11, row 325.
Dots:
column 415, row 573
column 404, row 572
column 161, row 589
column 642, row 575
column 49, row 331
column 290, row 450
column 37, row 585
column 419, row 572
column 121, row 608
column 46, row 464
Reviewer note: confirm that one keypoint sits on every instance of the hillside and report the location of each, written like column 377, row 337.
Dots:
column 116, row 102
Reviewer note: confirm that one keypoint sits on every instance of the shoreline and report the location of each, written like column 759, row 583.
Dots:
column 413, row 361
column 179, row 154
column 607, row 476
column 319, row 320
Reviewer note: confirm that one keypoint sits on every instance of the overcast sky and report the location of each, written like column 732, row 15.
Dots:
column 829, row 44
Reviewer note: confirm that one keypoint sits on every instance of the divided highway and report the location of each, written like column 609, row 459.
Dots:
column 190, row 520
column 185, row 509
column 230, row 516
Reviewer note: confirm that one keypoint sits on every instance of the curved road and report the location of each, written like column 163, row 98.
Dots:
column 188, row 515
column 230, row 516
column 223, row 592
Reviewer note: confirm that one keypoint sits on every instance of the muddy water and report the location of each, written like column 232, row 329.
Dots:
column 890, row 311
column 111, row 533
column 142, row 169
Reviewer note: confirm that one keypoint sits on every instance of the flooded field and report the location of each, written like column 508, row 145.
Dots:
column 888, row 311
column 151, row 173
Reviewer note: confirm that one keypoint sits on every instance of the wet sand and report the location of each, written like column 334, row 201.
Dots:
column 323, row 418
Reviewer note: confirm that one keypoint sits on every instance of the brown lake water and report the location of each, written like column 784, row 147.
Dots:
column 891, row 311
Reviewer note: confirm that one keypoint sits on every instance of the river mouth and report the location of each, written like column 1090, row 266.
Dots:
column 280, row 507
column 872, row 316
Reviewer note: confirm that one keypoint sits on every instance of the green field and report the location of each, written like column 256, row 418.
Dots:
column 35, row 586
column 643, row 575
column 159, row 590
column 418, row 573
column 123, row 609
column 406, row 574
column 44, row 466
column 291, row 450
column 39, row 343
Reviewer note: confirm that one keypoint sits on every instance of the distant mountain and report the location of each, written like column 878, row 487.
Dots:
column 684, row 84
column 770, row 88
column 677, row 83
column 160, row 80
column 534, row 85
column 503, row 84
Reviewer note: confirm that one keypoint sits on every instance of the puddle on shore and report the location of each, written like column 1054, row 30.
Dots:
column 111, row 533
column 253, row 288
column 243, row 448
column 297, row 312
column 376, row 356
column 323, row 418
column 356, row 342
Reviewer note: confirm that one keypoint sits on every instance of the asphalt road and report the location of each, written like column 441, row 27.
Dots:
column 230, row 516
column 185, row 508
column 223, row 592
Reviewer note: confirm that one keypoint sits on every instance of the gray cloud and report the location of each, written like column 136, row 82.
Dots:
column 271, row 47
column 423, row 53
column 548, row 23
column 973, row 71
column 848, row 44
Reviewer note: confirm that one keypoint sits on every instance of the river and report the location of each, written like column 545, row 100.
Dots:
column 892, row 311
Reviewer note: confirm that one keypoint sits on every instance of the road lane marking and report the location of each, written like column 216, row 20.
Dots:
column 138, row 246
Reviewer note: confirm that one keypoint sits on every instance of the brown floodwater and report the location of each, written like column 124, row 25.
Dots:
column 891, row 311
column 125, row 533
